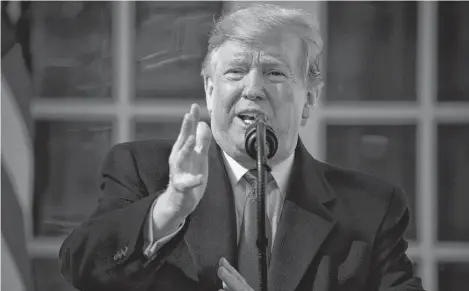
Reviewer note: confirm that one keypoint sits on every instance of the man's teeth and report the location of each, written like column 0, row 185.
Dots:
column 247, row 119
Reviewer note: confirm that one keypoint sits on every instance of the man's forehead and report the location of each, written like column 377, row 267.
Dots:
column 257, row 55
column 234, row 51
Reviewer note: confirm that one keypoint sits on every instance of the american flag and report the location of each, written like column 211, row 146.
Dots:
column 17, row 163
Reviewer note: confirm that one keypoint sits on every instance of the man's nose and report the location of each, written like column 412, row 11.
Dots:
column 254, row 86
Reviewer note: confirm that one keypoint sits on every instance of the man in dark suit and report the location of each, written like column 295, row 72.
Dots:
column 175, row 216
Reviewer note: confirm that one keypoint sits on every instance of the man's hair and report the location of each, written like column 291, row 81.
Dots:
column 250, row 25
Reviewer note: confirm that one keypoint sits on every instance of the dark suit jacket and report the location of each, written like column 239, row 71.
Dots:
column 339, row 230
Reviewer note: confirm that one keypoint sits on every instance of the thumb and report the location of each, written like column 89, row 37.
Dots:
column 13, row 11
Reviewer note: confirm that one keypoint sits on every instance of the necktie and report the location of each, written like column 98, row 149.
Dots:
column 248, row 262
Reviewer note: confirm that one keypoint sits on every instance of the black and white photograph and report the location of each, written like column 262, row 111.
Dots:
column 235, row 145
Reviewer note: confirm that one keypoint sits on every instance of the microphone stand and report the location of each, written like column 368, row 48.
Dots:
column 256, row 144
column 262, row 242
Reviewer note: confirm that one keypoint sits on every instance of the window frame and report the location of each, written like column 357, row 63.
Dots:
column 426, row 113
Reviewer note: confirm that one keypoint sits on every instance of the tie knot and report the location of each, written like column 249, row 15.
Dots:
column 251, row 177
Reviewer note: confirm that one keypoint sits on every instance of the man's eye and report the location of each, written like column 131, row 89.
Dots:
column 234, row 71
column 276, row 73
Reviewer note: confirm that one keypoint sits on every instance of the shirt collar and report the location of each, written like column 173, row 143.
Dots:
column 280, row 172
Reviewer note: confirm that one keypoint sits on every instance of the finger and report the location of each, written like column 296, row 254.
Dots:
column 184, row 133
column 186, row 148
column 195, row 113
column 231, row 282
column 203, row 138
column 14, row 11
column 224, row 263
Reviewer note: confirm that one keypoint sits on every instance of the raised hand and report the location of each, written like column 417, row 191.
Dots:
column 188, row 164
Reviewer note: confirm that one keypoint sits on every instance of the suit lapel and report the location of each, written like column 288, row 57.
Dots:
column 304, row 224
column 212, row 231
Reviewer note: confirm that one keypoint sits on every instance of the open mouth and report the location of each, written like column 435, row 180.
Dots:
column 247, row 118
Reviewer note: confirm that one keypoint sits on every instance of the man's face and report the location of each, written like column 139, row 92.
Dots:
column 247, row 81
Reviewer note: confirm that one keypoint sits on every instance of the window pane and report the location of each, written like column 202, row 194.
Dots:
column 69, row 157
column 71, row 49
column 171, row 44
column 47, row 276
column 453, row 51
column 387, row 152
column 453, row 182
column 150, row 130
column 453, row 276
column 371, row 51
column 166, row 129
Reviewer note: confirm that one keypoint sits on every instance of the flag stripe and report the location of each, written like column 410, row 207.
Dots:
column 17, row 171
column 13, row 236
column 19, row 82
column 10, row 274
column 17, row 151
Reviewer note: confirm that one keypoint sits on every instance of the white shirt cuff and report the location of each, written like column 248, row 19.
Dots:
column 151, row 246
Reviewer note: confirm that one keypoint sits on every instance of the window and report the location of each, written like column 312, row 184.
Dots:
column 371, row 51
column 386, row 151
column 404, row 66
column 396, row 93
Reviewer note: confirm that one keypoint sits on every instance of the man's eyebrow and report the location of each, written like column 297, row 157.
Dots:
column 266, row 59
column 275, row 62
column 239, row 58
column 271, row 61
column 237, row 61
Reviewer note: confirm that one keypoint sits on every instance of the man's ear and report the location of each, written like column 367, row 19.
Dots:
column 309, row 103
column 314, row 90
column 208, row 86
column 311, row 98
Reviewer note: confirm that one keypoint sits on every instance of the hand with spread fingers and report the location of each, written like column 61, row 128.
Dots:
column 232, row 280
column 188, row 164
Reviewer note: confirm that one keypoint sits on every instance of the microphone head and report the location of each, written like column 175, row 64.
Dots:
column 251, row 139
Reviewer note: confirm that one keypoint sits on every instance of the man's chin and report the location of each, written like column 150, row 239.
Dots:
column 228, row 142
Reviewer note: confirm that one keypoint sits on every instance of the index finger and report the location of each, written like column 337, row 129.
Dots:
column 184, row 132
column 231, row 270
column 228, row 279
column 188, row 126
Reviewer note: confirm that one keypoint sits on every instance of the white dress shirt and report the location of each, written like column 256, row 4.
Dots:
column 275, row 197
column 275, row 192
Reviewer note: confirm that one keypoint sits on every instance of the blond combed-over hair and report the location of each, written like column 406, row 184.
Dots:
column 251, row 24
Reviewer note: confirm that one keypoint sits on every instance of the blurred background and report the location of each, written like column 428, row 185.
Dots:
column 79, row 77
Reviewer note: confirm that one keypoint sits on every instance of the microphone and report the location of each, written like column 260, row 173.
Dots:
column 260, row 133
column 252, row 136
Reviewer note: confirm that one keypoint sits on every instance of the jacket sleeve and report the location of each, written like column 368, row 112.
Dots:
column 391, row 269
column 150, row 244
column 107, row 251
